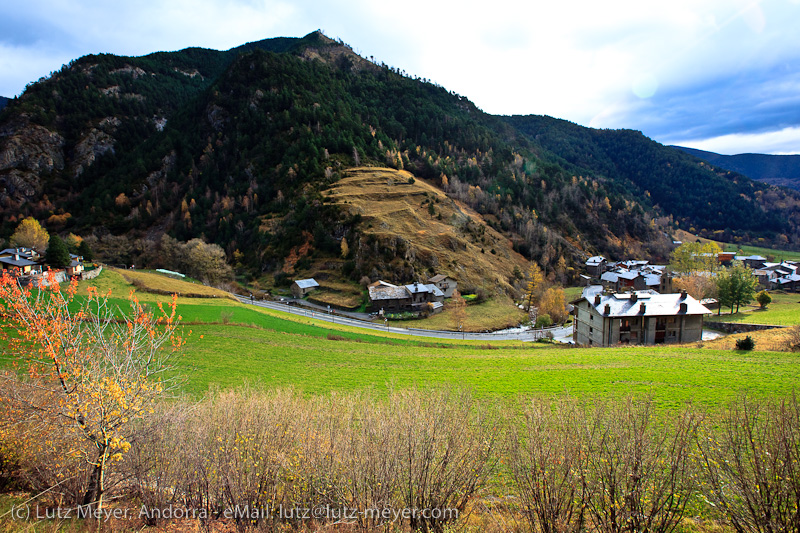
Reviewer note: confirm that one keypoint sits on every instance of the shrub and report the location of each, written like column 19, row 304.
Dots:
column 745, row 344
column 543, row 321
column 750, row 464
column 764, row 299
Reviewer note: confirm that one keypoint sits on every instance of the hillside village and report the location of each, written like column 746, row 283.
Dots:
column 29, row 266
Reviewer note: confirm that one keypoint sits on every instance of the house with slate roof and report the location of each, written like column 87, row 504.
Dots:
column 638, row 317
column 21, row 260
column 301, row 287
column 414, row 297
column 446, row 284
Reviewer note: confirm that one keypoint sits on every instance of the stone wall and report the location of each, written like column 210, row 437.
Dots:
column 737, row 327
column 91, row 274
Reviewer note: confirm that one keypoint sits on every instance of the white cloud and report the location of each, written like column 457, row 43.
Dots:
column 608, row 64
column 785, row 141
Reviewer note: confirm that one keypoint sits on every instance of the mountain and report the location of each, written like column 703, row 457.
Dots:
column 682, row 187
column 783, row 170
column 243, row 148
column 3, row 102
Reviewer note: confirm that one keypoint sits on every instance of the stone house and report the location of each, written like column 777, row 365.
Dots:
column 639, row 317
column 302, row 287
column 446, row 284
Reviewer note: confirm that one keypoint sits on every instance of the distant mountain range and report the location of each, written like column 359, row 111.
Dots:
column 783, row 170
column 243, row 148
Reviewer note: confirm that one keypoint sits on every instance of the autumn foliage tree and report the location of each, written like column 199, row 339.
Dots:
column 535, row 278
column 87, row 370
column 30, row 234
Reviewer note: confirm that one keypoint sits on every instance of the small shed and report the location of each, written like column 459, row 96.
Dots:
column 302, row 287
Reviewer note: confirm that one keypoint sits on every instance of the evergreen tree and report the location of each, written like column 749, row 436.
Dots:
column 57, row 254
column 85, row 251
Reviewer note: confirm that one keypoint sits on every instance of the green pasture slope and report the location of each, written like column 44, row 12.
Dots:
column 784, row 310
column 232, row 344
column 227, row 356
column 779, row 255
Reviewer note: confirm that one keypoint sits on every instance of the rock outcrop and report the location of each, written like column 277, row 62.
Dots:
column 27, row 152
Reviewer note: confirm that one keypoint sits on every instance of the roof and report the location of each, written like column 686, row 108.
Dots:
column 306, row 283
column 415, row 288
column 788, row 279
column 652, row 279
column 26, row 253
column 387, row 293
column 436, row 291
column 595, row 260
column 438, row 277
column 612, row 277
column 645, row 303
column 21, row 262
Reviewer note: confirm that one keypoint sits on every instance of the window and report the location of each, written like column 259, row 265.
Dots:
column 591, row 330
column 591, row 317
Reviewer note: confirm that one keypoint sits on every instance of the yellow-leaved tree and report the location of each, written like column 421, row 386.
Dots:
column 533, row 288
column 87, row 371
column 31, row 234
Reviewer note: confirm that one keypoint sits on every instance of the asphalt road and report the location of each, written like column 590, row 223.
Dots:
column 521, row 334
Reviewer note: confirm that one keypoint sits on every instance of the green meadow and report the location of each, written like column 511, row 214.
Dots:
column 784, row 310
column 227, row 356
column 232, row 344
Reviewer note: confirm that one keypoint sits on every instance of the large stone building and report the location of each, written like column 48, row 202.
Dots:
column 639, row 317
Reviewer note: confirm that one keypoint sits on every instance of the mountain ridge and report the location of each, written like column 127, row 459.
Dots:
column 238, row 147
column 782, row 170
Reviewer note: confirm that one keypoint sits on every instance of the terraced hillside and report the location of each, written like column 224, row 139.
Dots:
column 421, row 224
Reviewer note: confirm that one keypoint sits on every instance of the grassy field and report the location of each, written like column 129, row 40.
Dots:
column 783, row 311
column 309, row 361
column 779, row 255
column 493, row 314
column 155, row 282
column 232, row 344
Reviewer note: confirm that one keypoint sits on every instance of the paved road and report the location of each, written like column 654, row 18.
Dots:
column 521, row 334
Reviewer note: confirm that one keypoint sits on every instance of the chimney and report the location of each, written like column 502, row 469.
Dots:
column 684, row 307
column 642, row 308
column 607, row 310
column 634, row 297
column 597, row 299
column 683, row 294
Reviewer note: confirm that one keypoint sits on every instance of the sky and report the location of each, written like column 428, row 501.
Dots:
column 718, row 75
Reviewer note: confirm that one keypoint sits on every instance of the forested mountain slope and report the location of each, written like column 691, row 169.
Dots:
column 783, row 170
column 238, row 147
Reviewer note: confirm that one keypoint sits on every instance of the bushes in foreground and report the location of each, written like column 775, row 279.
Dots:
column 550, row 466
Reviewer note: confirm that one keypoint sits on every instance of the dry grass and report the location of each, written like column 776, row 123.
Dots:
column 161, row 284
column 335, row 298
column 460, row 243
column 770, row 340
column 497, row 313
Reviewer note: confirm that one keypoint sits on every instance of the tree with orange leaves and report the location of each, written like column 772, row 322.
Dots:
column 90, row 369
